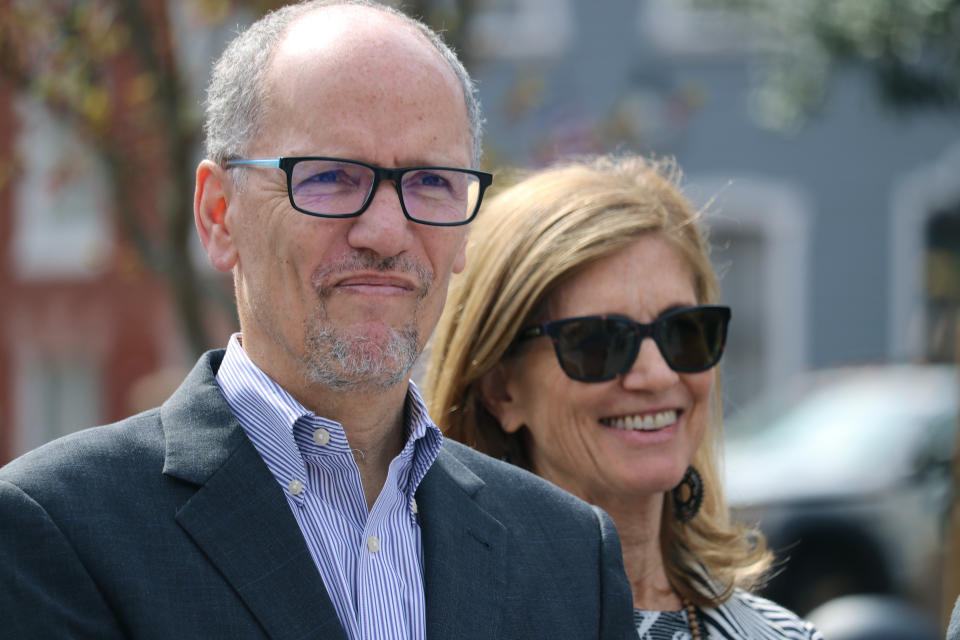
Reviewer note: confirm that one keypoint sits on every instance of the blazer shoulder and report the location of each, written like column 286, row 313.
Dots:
column 73, row 459
column 136, row 444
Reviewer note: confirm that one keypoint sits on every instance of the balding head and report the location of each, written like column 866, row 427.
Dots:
column 345, row 59
column 237, row 94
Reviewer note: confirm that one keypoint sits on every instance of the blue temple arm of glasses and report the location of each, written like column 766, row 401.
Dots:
column 263, row 162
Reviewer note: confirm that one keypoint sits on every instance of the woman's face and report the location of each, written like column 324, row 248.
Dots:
column 575, row 429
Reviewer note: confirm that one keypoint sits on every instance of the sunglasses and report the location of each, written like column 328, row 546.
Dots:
column 600, row 348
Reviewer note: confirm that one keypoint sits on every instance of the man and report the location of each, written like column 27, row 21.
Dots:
column 293, row 487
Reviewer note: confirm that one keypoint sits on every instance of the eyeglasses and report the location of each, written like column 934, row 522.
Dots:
column 337, row 188
column 600, row 348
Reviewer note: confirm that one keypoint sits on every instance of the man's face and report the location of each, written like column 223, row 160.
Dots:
column 348, row 303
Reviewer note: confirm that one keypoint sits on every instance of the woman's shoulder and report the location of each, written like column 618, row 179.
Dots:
column 756, row 617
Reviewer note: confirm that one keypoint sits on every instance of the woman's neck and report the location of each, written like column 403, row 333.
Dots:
column 638, row 525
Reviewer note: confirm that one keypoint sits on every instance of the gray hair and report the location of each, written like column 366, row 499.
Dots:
column 235, row 96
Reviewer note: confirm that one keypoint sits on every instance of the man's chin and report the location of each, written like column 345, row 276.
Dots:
column 373, row 372
column 377, row 360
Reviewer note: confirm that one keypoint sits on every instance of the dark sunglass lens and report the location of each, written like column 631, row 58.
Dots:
column 693, row 340
column 594, row 349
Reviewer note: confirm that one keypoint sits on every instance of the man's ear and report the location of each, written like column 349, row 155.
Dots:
column 210, row 215
column 499, row 399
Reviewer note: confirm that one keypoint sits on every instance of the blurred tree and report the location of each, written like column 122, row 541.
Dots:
column 911, row 48
column 109, row 70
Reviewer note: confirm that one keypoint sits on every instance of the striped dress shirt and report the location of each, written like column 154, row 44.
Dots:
column 371, row 563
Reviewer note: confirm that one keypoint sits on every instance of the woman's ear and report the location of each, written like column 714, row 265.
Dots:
column 210, row 215
column 498, row 398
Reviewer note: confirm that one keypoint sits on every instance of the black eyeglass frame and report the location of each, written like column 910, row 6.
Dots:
column 641, row 330
column 287, row 163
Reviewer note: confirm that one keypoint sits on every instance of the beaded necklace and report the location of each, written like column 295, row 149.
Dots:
column 692, row 619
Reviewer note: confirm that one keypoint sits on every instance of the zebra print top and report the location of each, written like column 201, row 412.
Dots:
column 742, row 616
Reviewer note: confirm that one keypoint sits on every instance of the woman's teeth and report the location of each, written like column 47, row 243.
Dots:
column 648, row 422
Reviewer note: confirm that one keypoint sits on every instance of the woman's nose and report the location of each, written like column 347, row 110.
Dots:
column 649, row 371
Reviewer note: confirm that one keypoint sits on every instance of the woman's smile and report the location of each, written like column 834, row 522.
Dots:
column 653, row 421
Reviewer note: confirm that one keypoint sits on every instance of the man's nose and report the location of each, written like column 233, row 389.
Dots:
column 382, row 228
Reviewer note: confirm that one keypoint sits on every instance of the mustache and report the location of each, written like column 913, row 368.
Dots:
column 367, row 260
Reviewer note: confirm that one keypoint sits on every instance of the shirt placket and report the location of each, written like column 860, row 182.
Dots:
column 336, row 502
column 380, row 587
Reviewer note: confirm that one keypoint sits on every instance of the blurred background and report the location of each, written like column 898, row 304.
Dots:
column 821, row 137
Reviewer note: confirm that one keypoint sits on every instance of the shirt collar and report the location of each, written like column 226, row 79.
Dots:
column 251, row 391
column 264, row 408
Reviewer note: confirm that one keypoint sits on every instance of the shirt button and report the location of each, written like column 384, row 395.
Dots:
column 373, row 543
column 295, row 487
column 415, row 510
column 321, row 436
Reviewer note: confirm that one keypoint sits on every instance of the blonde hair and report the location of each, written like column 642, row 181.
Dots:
column 526, row 241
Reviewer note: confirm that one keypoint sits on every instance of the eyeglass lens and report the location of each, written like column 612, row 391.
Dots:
column 336, row 187
column 600, row 348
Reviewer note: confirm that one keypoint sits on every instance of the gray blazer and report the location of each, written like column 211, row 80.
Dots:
column 169, row 525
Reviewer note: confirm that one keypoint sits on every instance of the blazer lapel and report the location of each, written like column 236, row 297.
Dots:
column 239, row 516
column 464, row 554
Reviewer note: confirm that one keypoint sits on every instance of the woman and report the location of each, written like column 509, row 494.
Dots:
column 541, row 359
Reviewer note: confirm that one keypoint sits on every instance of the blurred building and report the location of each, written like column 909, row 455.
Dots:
column 838, row 243
column 88, row 333
column 83, row 324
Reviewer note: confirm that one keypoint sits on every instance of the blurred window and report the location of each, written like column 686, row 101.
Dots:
column 759, row 240
column 942, row 286
column 522, row 29
column 679, row 28
column 925, row 262
column 62, row 225
column 56, row 394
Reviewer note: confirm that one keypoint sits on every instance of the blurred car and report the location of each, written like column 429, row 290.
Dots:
column 848, row 474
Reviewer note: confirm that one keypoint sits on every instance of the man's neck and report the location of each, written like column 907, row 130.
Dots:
column 372, row 417
column 374, row 425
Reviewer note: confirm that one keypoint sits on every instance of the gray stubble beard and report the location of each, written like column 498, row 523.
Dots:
column 355, row 363
column 342, row 362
